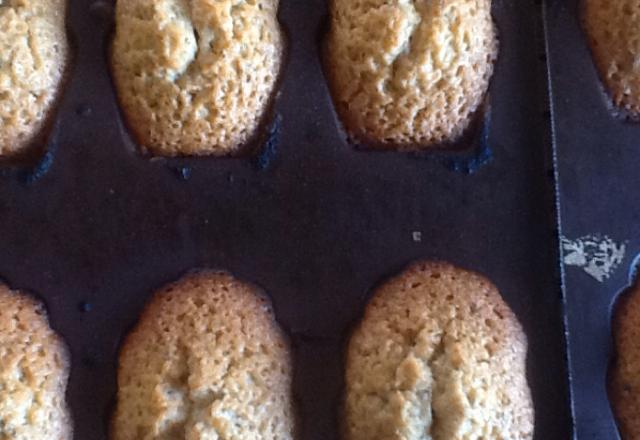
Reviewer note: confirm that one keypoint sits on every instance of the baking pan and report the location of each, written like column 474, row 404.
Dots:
column 598, row 154
column 94, row 228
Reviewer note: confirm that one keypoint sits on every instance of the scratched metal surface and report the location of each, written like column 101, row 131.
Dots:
column 597, row 162
column 94, row 228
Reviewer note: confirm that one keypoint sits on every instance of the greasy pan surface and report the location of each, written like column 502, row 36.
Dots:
column 316, row 223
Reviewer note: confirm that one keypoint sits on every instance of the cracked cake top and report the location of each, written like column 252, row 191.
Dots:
column 408, row 74
column 195, row 78
column 438, row 355
column 33, row 56
column 206, row 361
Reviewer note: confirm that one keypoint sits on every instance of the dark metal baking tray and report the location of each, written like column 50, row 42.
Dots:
column 597, row 162
column 97, row 227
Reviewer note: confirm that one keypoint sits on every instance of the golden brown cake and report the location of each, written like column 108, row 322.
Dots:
column 33, row 55
column 624, row 377
column 438, row 355
column 409, row 74
column 34, row 368
column 195, row 78
column 613, row 30
column 206, row 361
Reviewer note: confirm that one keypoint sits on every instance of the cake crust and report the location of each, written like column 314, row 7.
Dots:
column 195, row 78
column 438, row 355
column 613, row 32
column 33, row 56
column 409, row 74
column 206, row 361
column 34, row 369
column 624, row 376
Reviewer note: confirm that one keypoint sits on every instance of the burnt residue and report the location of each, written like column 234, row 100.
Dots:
column 182, row 172
column 32, row 175
column 85, row 307
column 480, row 156
column 84, row 110
column 270, row 148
